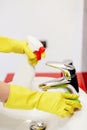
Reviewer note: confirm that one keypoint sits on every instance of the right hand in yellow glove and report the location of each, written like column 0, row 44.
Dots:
column 61, row 104
column 19, row 46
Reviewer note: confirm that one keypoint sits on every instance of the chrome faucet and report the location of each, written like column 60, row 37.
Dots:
column 68, row 76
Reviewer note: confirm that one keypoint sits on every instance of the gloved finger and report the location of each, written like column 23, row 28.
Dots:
column 70, row 96
column 64, row 114
column 69, row 109
column 33, row 58
column 43, row 55
column 33, row 62
column 74, row 103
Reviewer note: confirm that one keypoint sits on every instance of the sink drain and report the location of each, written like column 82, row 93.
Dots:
column 37, row 125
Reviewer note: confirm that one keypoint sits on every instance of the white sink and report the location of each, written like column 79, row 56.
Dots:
column 20, row 119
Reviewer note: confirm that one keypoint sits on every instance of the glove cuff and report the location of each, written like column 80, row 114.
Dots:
column 22, row 98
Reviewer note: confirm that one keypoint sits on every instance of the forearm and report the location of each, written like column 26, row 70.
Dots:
column 10, row 45
column 4, row 91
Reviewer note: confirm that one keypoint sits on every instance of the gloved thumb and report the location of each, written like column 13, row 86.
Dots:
column 70, row 96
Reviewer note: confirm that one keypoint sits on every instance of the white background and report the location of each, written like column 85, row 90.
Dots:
column 62, row 23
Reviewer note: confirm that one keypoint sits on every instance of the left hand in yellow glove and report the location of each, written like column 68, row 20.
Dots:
column 61, row 104
column 10, row 45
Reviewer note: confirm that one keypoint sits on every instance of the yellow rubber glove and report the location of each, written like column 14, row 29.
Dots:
column 10, row 45
column 61, row 104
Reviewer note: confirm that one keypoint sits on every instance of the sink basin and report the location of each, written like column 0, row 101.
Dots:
column 11, row 119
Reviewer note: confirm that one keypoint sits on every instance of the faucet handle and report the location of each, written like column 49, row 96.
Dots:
column 67, row 69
